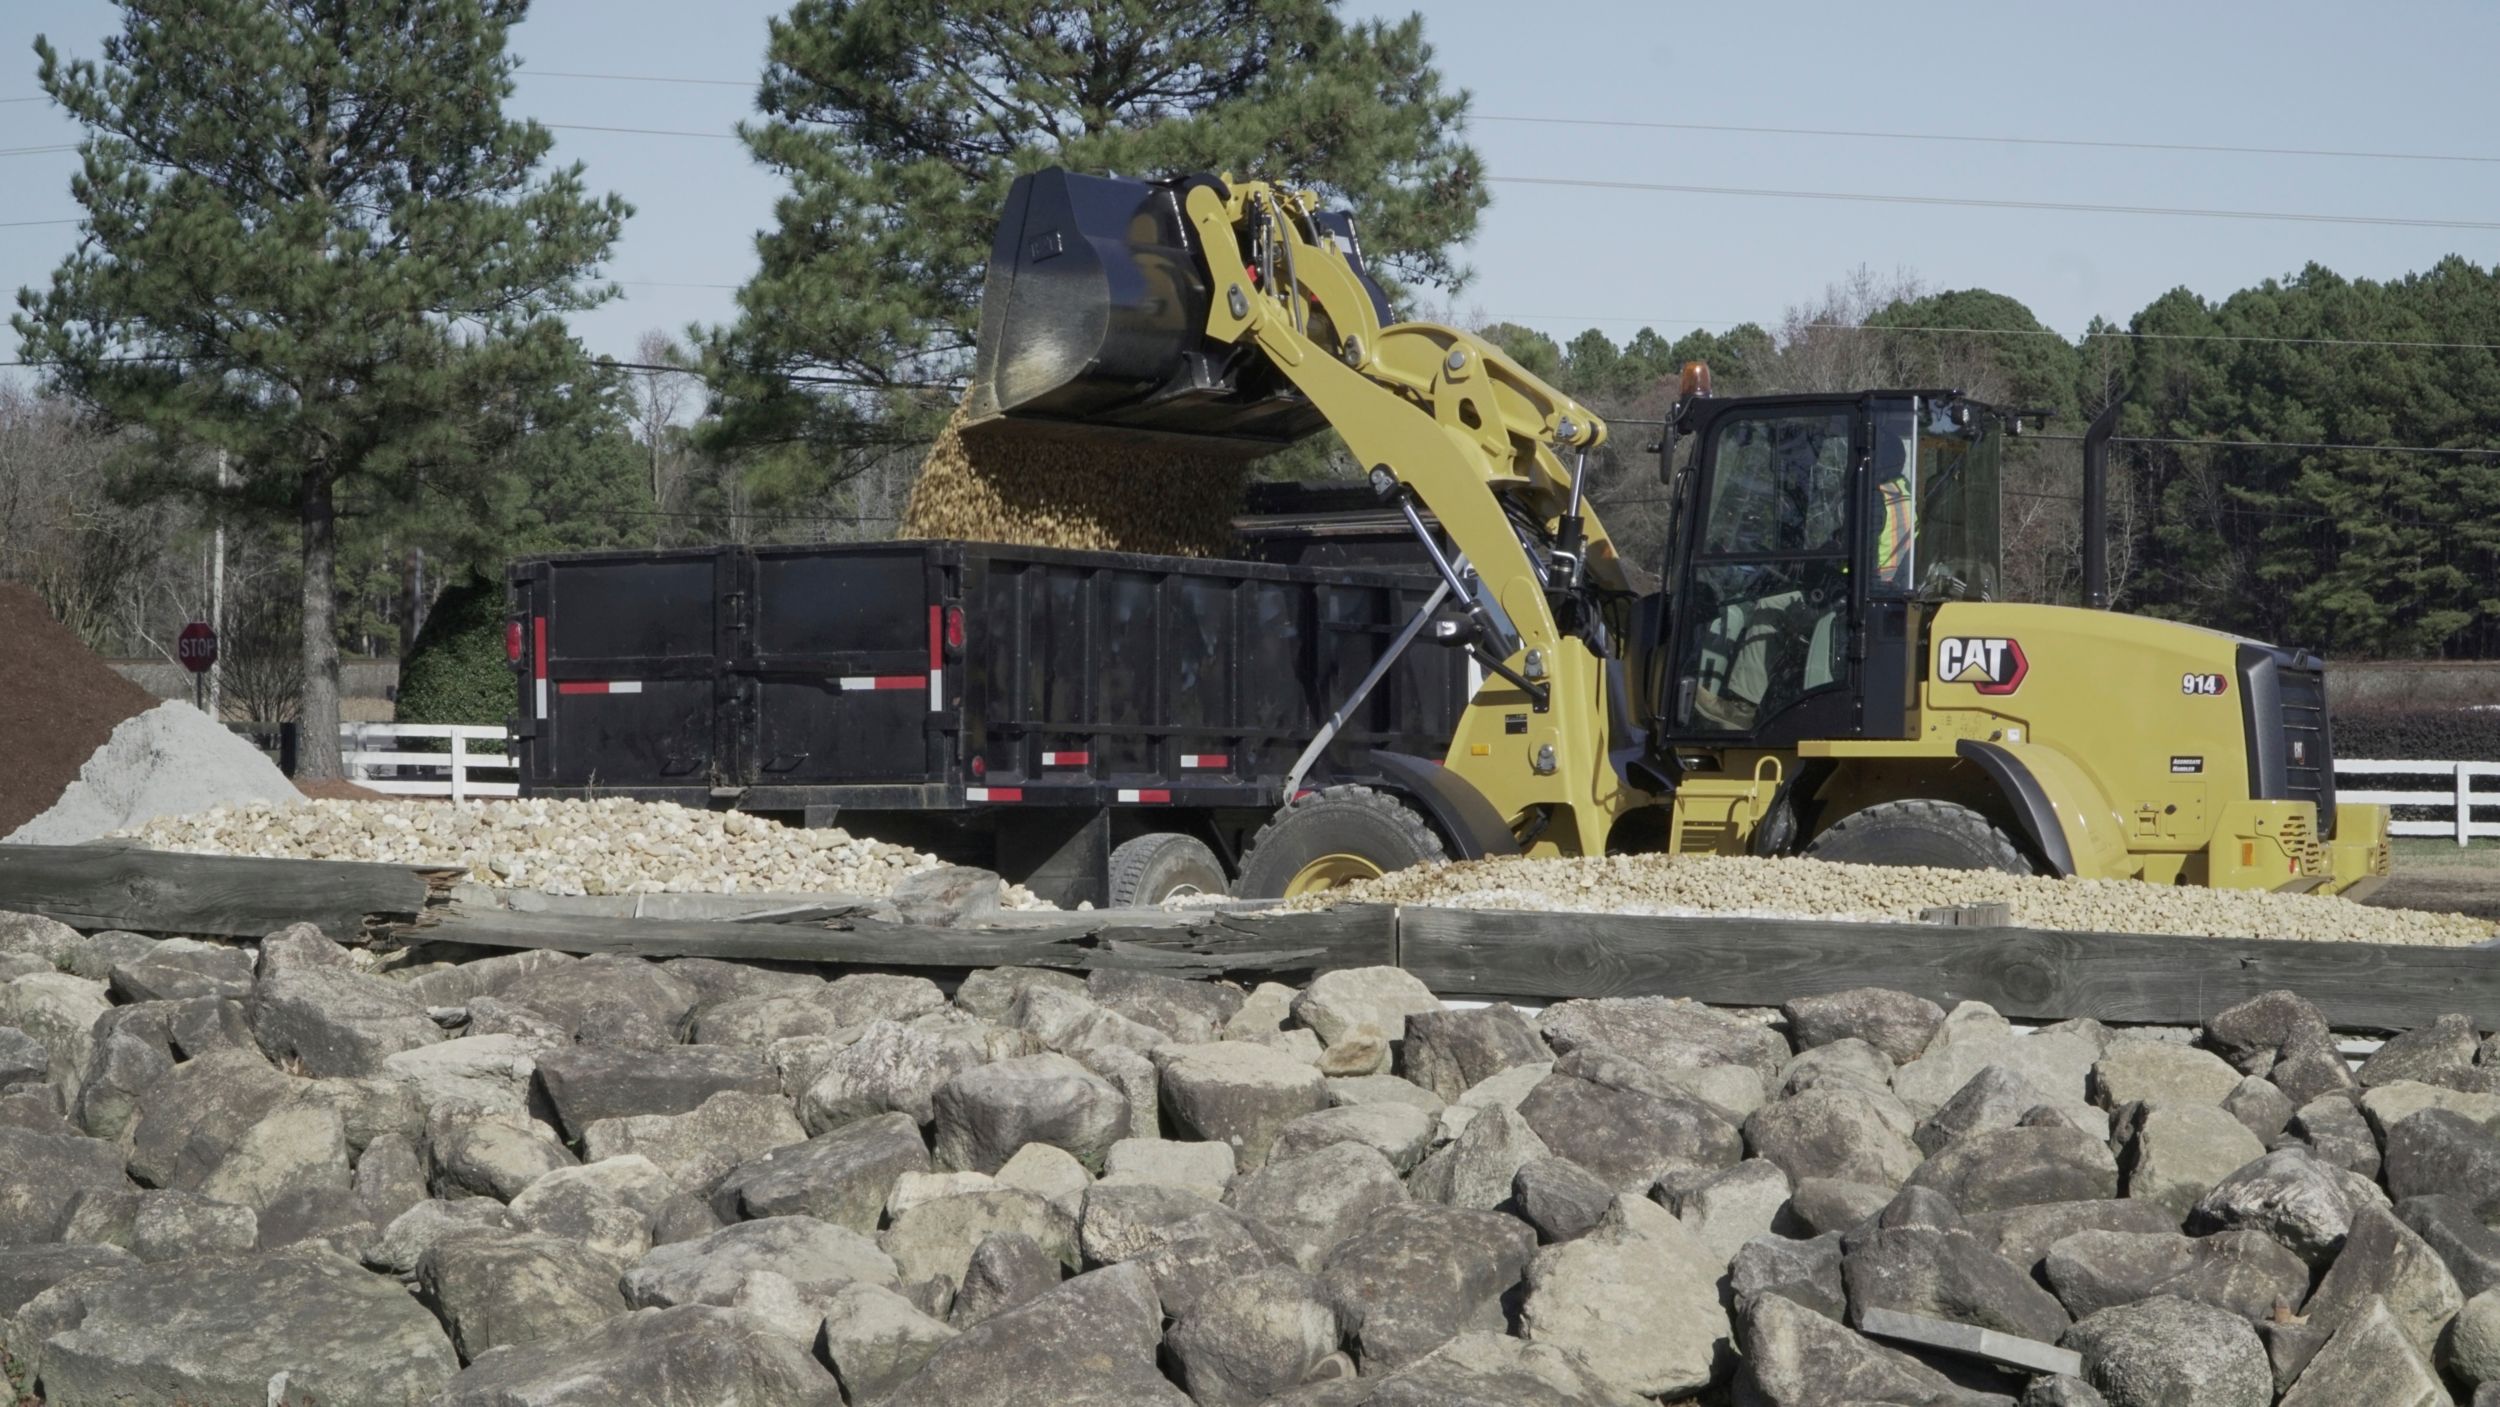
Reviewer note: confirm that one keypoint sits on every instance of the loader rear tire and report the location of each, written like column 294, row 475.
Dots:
column 1332, row 838
column 1936, row 834
column 1149, row 869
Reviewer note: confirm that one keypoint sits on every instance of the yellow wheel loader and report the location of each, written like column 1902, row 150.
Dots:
column 1824, row 672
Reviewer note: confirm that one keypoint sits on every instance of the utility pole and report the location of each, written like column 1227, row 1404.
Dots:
column 217, row 593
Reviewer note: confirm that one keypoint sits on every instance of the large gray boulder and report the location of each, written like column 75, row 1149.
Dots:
column 1795, row 1357
column 876, row 1339
column 188, row 1119
column 46, row 1173
column 1947, row 1275
column 1477, row 1168
column 1806, row 1273
column 606, row 1207
column 1896, row 1023
column 1089, row 1343
column 1995, row 1098
column 415, row 1231
column 1636, row 1299
column 60, row 1011
column 2335, row 1128
column 2369, row 1359
column 1449, row 1052
column 700, row 1148
column 2441, row 1152
column 1480, row 1369
column 1339, row 1003
column 1183, row 1010
column 473, row 1071
column 485, row 1153
column 28, row 1271
column 1727, row 1208
column 1005, row 1270
column 2448, row 1225
column 652, row 1358
column 813, row 1256
column 493, row 1291
column 1835, row 1130
column 587, row 1083
column 2246, row 1272
column 2018, row 1167
column 937, row 1238
column 2181, row 1151
column 2441, row 1053
column 2169, row 1352
column 1419, row 1275
column 1238, row 1093
column 1256, row 1336
column 2058, row 1064
column 299, row 1145
column 1309, row 1204
column 842, row 1177
column 890, row 1066
column 1401, row 1133
column 336, row 1021
column 605, row 999
column 1187, row 1243
column 2289, row 1195
column 2384, row 1260
column 2161, row 1073
column 988, row 1112
column 1665, row 1033
column 1627, row 1138
column 131, row 1050
column 213, row 1332
column 2254, row 1034
column 180, row 968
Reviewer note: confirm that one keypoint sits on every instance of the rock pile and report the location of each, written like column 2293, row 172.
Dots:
column 277, row 1172
column 609, row 846
column 168, row 761
column 1096, row 494
column 1801, row 888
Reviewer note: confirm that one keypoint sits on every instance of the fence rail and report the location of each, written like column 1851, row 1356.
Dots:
column 2450, row 789
column 450, row 774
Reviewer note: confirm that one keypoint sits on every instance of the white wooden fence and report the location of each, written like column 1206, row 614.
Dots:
column 374, row 764
column 2450, row 788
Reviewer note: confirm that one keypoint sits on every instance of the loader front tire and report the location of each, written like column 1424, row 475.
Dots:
column 1935, row 834
column 1332, row 838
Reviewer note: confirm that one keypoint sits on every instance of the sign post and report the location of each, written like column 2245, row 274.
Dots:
column 196, row 647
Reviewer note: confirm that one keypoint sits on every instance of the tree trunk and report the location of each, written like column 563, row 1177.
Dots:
column 317, row 717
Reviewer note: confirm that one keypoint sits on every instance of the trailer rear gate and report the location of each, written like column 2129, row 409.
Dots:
column 998, row 703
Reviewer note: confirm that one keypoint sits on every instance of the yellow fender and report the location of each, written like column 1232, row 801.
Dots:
column 2061, row 809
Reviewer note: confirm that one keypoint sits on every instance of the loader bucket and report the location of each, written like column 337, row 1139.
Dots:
column 1093, row 325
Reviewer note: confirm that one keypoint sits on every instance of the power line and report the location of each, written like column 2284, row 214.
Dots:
column 639, row 131
column 30, row 224
column 37, row 151
column 2096, row 143
column 1767, row 323
column 1981, row 203
column 2282, row 444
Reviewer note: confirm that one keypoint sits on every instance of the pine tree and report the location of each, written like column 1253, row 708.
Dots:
column 899, row 125
column 314, row 241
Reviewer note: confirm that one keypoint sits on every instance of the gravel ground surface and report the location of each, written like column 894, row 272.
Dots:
column 561, row 847
column 1793, row 888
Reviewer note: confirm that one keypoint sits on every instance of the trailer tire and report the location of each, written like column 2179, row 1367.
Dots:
column 1334, row 837
column 1936, row 834
column 1151, row 868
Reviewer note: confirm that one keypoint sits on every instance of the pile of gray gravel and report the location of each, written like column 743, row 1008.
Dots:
column 279, row 1171
column 172, row 760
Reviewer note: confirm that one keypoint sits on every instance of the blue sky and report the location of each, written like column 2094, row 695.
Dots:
column 2408, row 78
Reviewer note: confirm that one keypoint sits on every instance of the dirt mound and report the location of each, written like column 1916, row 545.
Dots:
column 59, row 702
column 1102, row 496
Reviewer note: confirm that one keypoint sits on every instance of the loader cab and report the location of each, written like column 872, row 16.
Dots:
column 1810, row 538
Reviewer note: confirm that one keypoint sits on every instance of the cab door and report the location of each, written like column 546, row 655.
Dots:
column 1761, row 648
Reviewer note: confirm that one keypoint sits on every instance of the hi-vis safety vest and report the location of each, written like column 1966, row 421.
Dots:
column 1892, row 535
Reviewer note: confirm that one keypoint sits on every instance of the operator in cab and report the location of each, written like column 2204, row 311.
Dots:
column 1895, row 525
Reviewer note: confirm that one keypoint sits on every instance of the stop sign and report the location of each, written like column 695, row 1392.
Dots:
column 196, row 647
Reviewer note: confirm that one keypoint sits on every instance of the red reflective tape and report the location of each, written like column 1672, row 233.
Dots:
column 582, row 686
column 993, row 793
column 1206, row 759
column 1145, row 794
column 538, row 639
column 1066, row 759
column 898, row 681
column 936, row 631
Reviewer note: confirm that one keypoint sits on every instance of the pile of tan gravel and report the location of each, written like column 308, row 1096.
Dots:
column 1099, row 495
column 1796, row 888
column 609, row 846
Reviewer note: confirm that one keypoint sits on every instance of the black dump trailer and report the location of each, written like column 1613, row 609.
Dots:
column 1055, row 715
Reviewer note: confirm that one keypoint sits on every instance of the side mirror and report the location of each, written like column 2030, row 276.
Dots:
column 1666, row 453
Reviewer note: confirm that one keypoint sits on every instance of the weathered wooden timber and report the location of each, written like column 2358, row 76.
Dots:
column 2025, row 973
column 1182, row 944
column 93, row 887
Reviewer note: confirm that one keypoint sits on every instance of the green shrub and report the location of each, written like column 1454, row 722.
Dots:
column 2419, row 734
column 458, row 672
